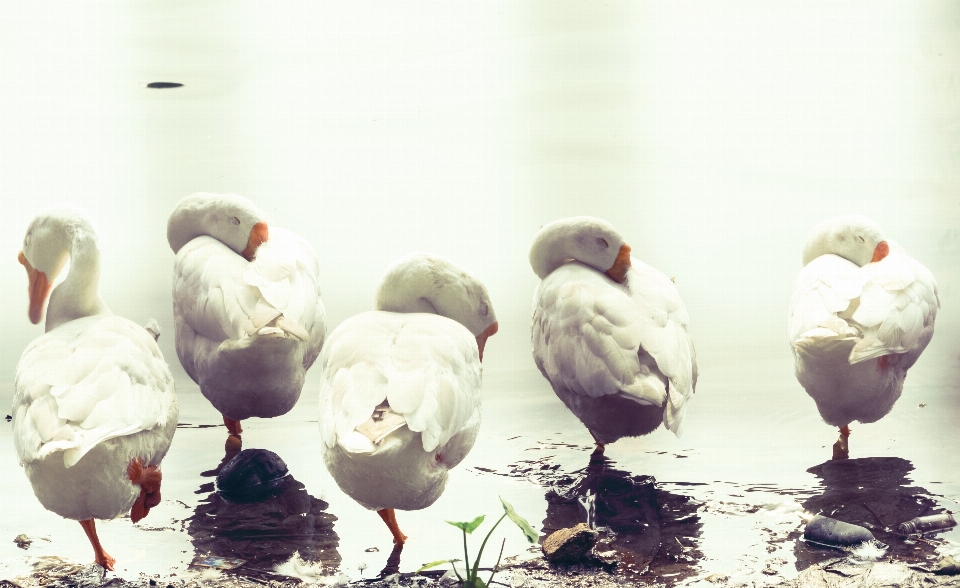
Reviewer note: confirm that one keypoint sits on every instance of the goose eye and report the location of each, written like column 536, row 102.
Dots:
column 861, row 239
column 484, row 310
column 603, row 242
column 235, row 221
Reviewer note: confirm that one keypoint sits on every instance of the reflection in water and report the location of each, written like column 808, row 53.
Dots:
column 267, row 532
column 393, row 561
column 874, row 493
column 648, row 531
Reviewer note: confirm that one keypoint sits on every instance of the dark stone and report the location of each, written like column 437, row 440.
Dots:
column 251, row 475
column 832, row 532
column 570, row 545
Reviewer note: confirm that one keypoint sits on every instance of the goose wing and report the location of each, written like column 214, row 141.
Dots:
column 597, row 338
column 663, row 335
column 886, row 307
column 219, row 295
column 383, row 370
column 88, row 381
column 897, row 308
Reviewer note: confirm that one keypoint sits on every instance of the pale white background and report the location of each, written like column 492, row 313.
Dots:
column 714, row 134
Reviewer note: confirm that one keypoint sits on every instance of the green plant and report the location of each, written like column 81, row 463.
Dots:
column 473, row 580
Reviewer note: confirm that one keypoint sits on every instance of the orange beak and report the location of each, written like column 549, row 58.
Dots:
column 880, row 252
column 38, row 288
column 259, row 234
column 482, row 337
column 618, row 271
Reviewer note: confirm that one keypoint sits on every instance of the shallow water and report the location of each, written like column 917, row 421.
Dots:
column 725, row 498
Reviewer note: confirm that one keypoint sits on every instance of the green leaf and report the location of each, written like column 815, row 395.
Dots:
column 434, row 564
column 468, row 527
column 521, row 522
column 477, row 583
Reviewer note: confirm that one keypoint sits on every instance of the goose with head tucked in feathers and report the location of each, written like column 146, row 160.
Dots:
column 862, row 312
column 609, row 332
column 400, row 394
column 94, row 408
column 246, row 304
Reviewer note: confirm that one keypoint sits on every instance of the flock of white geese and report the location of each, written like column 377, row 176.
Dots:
column 95, row 409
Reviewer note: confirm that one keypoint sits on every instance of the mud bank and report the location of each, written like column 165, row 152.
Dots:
column 52, row 572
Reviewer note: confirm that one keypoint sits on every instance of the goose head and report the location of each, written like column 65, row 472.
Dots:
column 233, row 220
column 853, row 237
column 587, row 239
column 51, row 238
column 421, row 282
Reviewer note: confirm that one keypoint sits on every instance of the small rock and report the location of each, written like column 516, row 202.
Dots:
column 947, row 567
column 251, row 475
column 836, row 533
column 717, row 578
column 570, row 545
column 22, row 541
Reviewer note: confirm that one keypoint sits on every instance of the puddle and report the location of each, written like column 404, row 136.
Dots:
column 266, row 532
column 877, row 494
column 724, row 501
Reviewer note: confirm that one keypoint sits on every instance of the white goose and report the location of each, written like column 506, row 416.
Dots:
column 400, row 395
column 609, row 332
column 94, row 409
column 246, row 303
column 859, row 297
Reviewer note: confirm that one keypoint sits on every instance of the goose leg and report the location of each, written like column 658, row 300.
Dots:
column 600, row 446
column 100, row 556
column 841, row 449
column 234, row 429
column 389, row 517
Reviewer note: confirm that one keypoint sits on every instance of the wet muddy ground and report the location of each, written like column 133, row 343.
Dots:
column 724, row 503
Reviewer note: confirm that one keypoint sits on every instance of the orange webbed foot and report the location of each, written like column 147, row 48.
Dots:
column 149, row 480
column 104, row 559
column 100, row 556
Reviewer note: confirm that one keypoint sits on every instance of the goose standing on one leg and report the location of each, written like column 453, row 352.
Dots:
column 609, row 332
column 859, row 297
column 400, row 395
column 246, row 303
column 94, row 409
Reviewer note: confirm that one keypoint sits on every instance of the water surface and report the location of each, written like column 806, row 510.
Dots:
column 725, row 498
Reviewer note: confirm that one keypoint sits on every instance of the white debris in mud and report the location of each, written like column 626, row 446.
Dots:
column 869, row 551
column 311, row 572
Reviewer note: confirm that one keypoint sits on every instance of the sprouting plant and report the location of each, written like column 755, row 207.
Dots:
column 473, row 580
